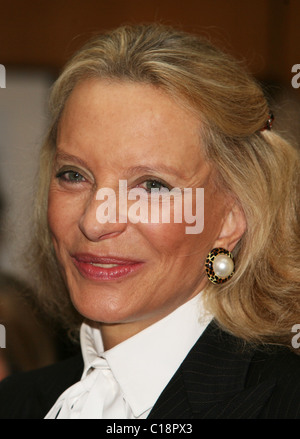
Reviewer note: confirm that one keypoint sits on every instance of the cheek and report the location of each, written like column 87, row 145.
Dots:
column 166, row 238
column 62, row 214
column 171, row 240
column 55, row 213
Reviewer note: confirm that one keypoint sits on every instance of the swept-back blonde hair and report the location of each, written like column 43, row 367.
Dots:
column 259, row 168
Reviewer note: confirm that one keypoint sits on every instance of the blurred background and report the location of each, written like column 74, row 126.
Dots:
column 36, row 39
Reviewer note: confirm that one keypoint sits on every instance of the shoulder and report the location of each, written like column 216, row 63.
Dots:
column 281, row 366
column 30, row 395
column 275, row 370
column 256, row 381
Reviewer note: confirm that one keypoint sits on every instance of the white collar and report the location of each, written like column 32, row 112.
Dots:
column 144, row 364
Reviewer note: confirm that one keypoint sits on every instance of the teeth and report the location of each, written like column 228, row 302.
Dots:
column 104, row 265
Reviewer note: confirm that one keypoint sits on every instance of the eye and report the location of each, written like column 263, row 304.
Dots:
column 70, row 176
column 154, row 184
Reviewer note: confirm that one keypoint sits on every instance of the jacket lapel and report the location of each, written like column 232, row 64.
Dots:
column 210, row 383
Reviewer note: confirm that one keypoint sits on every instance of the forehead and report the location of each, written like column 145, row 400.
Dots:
column 132, row 120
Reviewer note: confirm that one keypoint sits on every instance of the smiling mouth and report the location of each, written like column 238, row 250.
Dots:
column 104, row 265
column 105, row 268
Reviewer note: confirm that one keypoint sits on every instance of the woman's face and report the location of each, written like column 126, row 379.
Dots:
column 123, row 272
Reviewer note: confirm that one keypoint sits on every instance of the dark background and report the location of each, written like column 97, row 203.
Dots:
column 43, row 33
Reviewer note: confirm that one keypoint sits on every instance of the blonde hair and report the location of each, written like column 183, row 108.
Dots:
column 259, row 168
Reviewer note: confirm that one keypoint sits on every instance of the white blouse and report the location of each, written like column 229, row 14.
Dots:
column 125, row 382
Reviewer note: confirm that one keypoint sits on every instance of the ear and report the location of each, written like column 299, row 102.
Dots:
column 233, row 228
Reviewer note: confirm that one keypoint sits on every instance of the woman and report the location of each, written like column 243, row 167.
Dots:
column 172, row 324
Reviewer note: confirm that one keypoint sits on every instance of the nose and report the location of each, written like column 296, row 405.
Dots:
column 100, row 218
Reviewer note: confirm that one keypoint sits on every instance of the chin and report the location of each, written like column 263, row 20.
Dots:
column 101, row 309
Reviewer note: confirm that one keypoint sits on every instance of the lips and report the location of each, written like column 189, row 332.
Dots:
column 104, row 268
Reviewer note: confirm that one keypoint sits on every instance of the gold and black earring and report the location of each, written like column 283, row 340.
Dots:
column 219, row 265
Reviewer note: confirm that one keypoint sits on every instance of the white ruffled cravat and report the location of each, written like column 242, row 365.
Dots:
column 126, row 381
column 96, row 396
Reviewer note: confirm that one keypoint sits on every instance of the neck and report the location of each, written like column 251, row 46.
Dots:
column 115, row 333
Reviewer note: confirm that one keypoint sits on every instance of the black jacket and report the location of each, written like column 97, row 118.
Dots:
column 221, row 378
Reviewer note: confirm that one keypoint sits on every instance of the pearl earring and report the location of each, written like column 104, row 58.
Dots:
column 219, row 265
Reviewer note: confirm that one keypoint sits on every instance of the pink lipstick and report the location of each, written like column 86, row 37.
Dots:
column 104, row 268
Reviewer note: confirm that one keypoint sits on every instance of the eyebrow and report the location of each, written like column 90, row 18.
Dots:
column 156, row 168
column 61, row 155
column 168, row 169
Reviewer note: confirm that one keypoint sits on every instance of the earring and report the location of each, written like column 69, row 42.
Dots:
column 219, row 265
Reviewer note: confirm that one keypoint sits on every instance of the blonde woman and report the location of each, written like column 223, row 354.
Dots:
column 174, row 323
